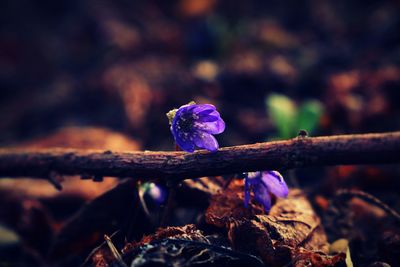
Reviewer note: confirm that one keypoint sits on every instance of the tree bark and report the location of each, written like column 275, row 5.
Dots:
column 294, row 153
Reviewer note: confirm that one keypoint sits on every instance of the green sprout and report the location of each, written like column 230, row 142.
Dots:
column 289, row 118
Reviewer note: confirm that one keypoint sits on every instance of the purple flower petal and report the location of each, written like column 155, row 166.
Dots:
column 263, row 185
column 207, row 118
column 253, row 178
column 261, row 195
column 185, row 109
column 206, row 113
column 203, row 108
column 246, row 192
column 182, row 114
column 214, row 127
column 206, row 140
column 157, row 193
column 193, row 125
column 275, row 183
column 189, row 107
column 183, row 140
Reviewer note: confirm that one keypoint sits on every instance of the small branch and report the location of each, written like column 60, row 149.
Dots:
column 114, row 251
column 371, row 199
column 294, row 153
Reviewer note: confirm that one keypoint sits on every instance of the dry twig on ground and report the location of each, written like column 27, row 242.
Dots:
column 294, row 153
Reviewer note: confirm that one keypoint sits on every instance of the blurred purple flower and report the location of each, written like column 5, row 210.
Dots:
column 154, row 191
column 157, row 193
column 193, row 125
column 263, row 184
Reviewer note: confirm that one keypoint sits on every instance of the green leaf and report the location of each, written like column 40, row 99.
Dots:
column 309, row 115
column 282, row 111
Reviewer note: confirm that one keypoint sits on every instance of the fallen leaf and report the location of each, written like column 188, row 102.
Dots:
column 290, row 233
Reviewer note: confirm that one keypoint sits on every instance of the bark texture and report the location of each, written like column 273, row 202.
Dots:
column 294, row 153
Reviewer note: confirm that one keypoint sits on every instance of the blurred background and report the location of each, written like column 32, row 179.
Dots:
column 102, row 74
column 121, row 65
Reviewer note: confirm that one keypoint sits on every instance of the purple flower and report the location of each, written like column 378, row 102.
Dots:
column 263, row 184
column 154, row 191
column 193, row 125
column 157, row 193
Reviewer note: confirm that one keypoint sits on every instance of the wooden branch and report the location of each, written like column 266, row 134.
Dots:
column 294, row 153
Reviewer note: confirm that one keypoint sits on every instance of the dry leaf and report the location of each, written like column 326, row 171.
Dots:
column 290, row 233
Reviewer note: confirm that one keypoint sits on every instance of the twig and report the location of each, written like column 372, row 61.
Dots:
column 294, row 153
column 114, row 251
column 89, row 257
column 369, row 198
